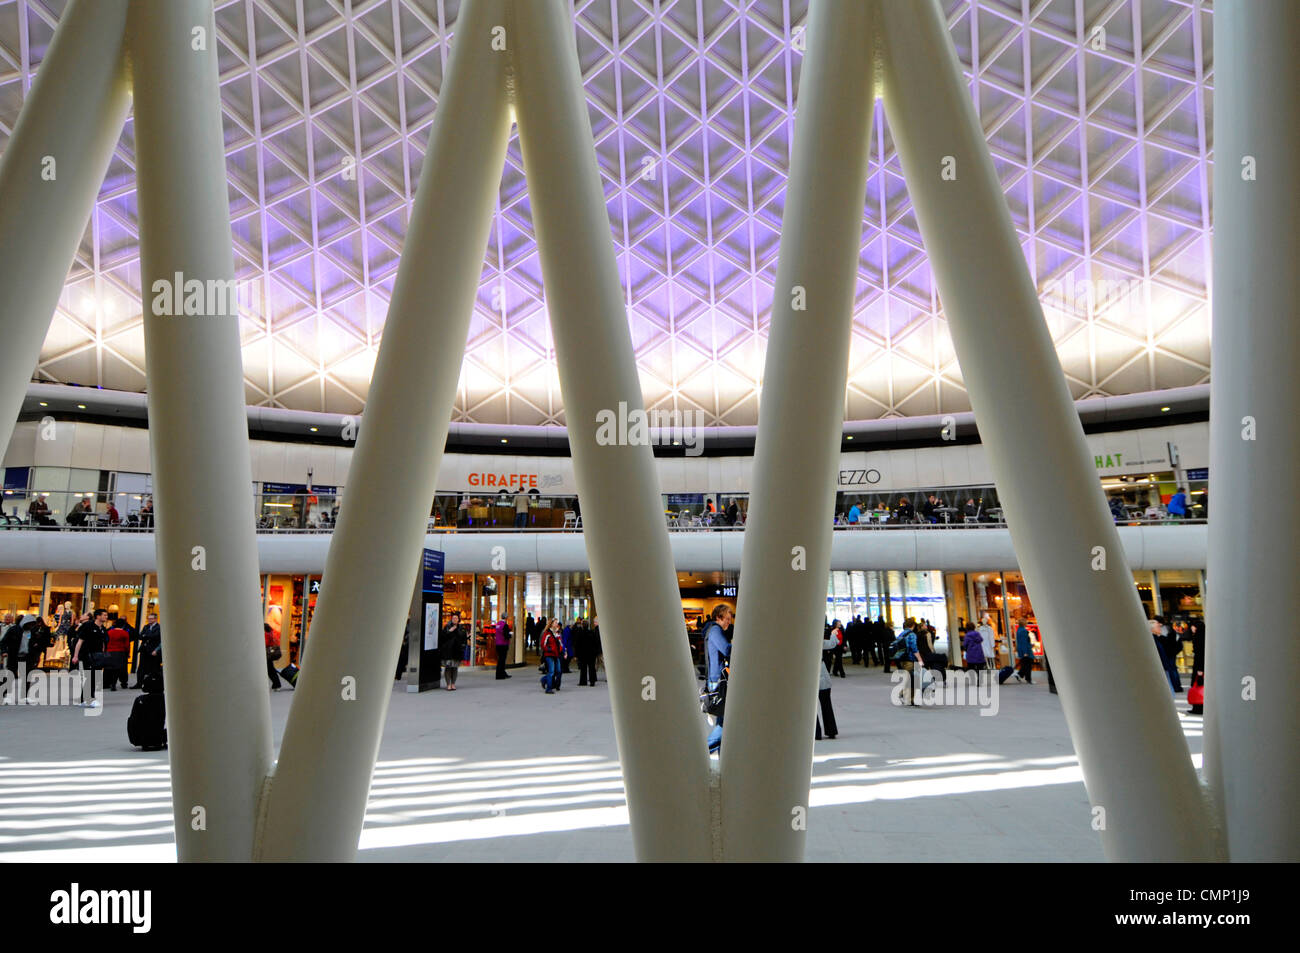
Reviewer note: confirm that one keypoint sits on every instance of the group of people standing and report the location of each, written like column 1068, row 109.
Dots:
column 96, row 640
column 558, row 644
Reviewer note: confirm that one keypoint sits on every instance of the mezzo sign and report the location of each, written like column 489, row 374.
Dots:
column 868, row 477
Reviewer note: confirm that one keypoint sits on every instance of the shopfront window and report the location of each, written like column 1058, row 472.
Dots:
column 67, row 588
column 20, row 593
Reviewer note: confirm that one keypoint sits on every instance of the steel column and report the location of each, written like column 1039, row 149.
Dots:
column 652, row 686
column 1124, row 727
column 218, row 713
column 767, row 743
column 1252, row 761
column 50, row 174
column 318, row 796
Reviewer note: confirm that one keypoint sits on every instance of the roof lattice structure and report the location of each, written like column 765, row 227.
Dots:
column 1097, row 113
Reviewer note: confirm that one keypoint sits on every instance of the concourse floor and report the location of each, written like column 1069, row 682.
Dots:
column 500, row 771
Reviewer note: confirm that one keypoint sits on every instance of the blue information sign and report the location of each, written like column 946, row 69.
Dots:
column 432, row 574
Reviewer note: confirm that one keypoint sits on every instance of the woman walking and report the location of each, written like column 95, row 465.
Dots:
column 272, row 655
column 973, row 645
column 451, row 649
column 551, row 651
column 824, row 692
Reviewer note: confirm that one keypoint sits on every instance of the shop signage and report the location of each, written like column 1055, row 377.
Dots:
column 504, row 481
column 868, row 477
column 727, row 592
column 1202, row 474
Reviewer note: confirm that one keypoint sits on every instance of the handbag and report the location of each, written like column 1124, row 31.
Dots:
column 713, row 702
column 273, row 653
column 102, row 660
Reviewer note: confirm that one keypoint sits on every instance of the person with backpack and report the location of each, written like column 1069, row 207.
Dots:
column 906, row 654
column 451, row 649
column 552, row 649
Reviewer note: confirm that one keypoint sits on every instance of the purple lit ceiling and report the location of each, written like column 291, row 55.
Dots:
column 1103, row 155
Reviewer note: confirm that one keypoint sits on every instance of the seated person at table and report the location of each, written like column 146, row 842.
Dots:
column 80, row 513
column 904, row 512
column 930, row 509
column 1117, row 509
column 855, row 515
column 971, row 509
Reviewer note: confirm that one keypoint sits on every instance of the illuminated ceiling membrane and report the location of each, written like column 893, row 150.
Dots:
column 1103, row 154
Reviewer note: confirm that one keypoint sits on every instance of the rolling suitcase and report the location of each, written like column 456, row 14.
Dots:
column 1007, row 672
column 290, row 674
column 146, row 727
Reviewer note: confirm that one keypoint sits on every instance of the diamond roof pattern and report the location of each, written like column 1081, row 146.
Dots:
column 1097, row 113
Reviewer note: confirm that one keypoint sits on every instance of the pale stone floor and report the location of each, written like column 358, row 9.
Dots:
column 499, row 771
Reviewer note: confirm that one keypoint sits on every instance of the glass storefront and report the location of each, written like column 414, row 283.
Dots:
column 20, row 592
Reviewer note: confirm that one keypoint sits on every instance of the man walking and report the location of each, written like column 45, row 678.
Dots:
column 148, row 657
column 89, row 643
column 1025, row 652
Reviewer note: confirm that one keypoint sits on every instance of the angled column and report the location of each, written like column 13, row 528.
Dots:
column 657, row 723
column 767, row 740
column 50, row 174
column 1252, row 761
column 218, row 714
column 318, row 796
column 1135, row 761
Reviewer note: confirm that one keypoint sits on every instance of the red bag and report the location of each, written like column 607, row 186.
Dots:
column 1196, row 694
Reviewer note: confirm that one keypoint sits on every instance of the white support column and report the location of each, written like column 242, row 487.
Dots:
column 218, row 713
column 652, row 686
column 1121, row 717
column 767, row 740
column 1252, row 761
column 318, row 796
column 50, row 174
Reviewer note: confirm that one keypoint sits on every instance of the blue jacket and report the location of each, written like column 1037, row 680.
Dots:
column 1024, row 644
column 716, row 648
column 973, row 643
column 1177, row 504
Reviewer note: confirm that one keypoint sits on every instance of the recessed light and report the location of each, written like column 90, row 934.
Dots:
column 849, row 437
column 44, row 404
column 504, row 440
column 1164, row 410
column 81, row 407
column 313, row 429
